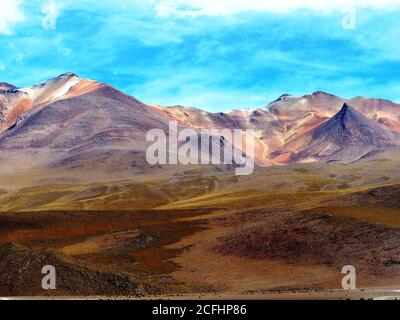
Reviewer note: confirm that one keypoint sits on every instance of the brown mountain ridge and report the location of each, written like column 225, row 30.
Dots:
column 75, row 121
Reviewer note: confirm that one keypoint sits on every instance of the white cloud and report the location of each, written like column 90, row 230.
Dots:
column 10, row 14
column 195, row 8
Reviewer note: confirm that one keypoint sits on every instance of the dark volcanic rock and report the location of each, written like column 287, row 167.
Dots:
column 6, row 86
column 347, row 136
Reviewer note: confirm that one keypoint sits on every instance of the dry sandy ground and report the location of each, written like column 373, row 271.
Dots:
column 357, row 294
column 283, row 233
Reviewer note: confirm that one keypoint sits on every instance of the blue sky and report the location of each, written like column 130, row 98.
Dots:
column 216, row 55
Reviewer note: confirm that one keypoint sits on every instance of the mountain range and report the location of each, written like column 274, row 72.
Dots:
column 75, row 122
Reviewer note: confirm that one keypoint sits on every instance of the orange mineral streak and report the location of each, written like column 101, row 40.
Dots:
column 19, row 105
column 19, row 108
column 84, row 86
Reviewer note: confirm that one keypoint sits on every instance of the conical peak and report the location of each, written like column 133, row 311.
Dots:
column 346, row 110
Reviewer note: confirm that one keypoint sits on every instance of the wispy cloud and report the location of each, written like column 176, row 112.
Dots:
column 228, row 7
column 10, row 14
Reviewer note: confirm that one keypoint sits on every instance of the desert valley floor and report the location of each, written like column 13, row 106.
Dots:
column 283, row 230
